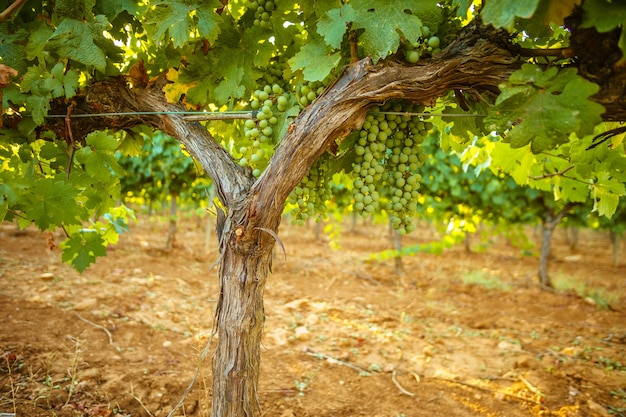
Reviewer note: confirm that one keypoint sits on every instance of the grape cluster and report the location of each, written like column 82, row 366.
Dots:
column 388, row 156
column 307, row 92
column 427, row 44
column 310, row 196
column 262, row 12
column 275, row 72
column 259, row 131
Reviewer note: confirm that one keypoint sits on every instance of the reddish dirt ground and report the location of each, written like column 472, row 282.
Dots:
column 461, row 334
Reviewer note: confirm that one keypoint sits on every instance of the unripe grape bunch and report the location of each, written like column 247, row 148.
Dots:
column 427, row 44
column 268, row 103
column 307, row 92
column 387, row 159
column 311, row 195
column 262, row 12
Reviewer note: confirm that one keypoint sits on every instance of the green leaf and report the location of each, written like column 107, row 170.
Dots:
column 606, row 194
column 75, row 39
column 518, row 163
column 130, row 144
column 462, row 7
column 235, row 63
column 231, row 85
column 37, row 42
column 208, row 21
column 604, row 15
column 74, row 9
column 171, row 17
column 39, row 106
column 332, row 25
column 61, row 83
column 385, row 21
column 99, row 157
column 502, row 13
column 545, row 107
column 54, row 204
column 570, row 189
column 12, row 49
column 177, row 19
column 82, row 249
column 316, row 60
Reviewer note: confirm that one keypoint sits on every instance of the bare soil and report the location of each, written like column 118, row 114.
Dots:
column 460, row 334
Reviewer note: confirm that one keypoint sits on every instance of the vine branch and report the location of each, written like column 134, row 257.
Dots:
column 554, row 174
column 12, row 8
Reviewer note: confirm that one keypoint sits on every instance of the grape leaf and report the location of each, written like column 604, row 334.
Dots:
column 12, row 49
column 518, row 163
column 209, row 21
column 545, row 107
column 569, row 189
column 231, row 86
column 74, row 9
column 385, row 21
column 604, row 15
column 82, row 249
column 99, row 157
column 75, row 39
column 61, row 83
column 175, row 89
column 53, row 204
column 171, row 17
column 39, row 106
column 502, row 13
column 243, row 55
column 130, row 144
column 177, row 18
column 332, row 26
column 316, row 60
column 462, row 6
column 606, row 194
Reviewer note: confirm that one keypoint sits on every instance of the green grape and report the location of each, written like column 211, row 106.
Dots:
column 427, row 44
column 270, row 100
column 433, row 41
column 309, row 91
column 313, row 192
column 387, row 156
column 412, row 56
column 262, row 12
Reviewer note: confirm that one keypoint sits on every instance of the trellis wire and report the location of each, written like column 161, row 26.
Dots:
column 195, row 116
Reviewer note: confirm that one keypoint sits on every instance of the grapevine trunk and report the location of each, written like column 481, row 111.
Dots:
column 544, row 277
column 240, row 318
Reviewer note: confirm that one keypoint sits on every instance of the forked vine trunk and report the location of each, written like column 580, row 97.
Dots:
column 251, row 209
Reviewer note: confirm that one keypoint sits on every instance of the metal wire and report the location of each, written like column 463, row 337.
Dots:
column 191, row 116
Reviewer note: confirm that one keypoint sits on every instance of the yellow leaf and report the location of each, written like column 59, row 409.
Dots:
column 175, row 90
